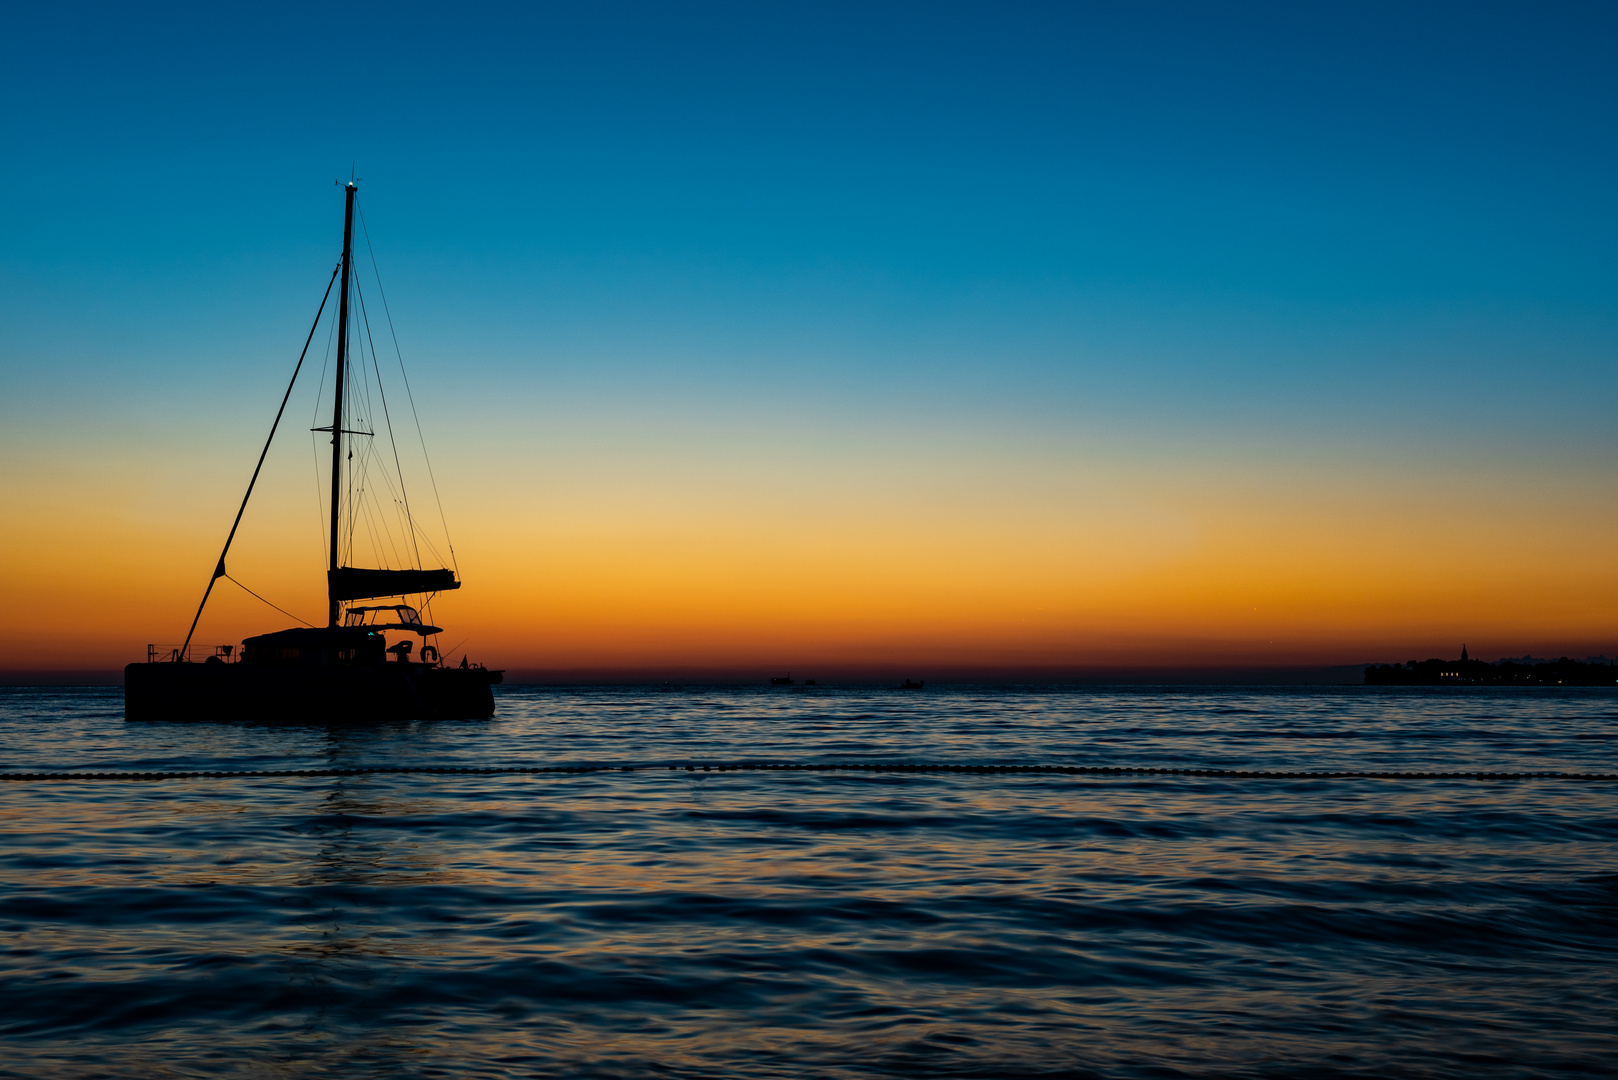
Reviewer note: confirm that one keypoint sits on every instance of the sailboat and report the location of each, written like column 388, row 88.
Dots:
column 345, row 670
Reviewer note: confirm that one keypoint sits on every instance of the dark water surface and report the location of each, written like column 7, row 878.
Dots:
column 658, row 923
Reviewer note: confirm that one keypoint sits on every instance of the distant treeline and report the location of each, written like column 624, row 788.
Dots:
column 1563, row 672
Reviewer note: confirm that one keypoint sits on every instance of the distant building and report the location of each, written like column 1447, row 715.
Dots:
column 1467, row 671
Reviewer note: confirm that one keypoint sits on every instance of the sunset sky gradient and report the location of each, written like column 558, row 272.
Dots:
column 866, row 340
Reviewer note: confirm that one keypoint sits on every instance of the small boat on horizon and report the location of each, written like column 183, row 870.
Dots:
column 345, row 670
column 911, row 684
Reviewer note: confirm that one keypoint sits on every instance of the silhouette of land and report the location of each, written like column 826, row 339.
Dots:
column 1595, row 671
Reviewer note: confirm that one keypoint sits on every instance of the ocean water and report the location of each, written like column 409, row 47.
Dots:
column 668, row 923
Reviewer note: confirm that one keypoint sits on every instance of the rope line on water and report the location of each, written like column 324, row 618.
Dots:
column 796, row 766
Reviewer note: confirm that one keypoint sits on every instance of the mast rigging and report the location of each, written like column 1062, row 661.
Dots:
column 337, row 406
column 219, row 569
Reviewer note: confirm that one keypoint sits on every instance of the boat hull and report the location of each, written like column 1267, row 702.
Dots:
column 322, row 694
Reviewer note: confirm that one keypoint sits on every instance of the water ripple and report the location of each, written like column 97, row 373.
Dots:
column 845, row 925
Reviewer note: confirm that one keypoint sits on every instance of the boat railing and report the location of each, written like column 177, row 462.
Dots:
column 191, row 654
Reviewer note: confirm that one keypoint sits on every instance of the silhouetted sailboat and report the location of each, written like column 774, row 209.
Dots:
column 343, row 670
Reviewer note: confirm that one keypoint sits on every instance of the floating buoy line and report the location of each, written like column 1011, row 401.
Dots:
column 944, row 768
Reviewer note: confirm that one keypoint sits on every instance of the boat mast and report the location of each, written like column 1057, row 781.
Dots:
column 337, row 408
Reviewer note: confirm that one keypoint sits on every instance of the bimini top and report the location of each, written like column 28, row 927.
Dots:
column 405, row 617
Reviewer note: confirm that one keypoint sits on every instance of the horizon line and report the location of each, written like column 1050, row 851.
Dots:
column 842, row 675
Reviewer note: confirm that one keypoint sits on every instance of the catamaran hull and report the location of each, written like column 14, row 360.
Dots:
column 234, row 692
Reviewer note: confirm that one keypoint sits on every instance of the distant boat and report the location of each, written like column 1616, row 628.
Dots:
column 910, row 684
column 785, row 680
column 340, row 671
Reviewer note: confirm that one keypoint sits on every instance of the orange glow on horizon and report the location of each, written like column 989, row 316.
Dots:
column 1179, row 572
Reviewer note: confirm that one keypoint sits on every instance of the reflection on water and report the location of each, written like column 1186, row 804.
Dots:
column 840, row 925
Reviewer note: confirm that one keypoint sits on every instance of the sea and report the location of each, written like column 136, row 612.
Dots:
column 655, row 920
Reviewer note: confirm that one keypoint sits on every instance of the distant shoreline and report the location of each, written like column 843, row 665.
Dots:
column 1468, row 672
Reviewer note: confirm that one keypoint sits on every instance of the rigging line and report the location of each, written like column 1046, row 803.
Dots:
column 360, row 394
column 314, row 443
column 339, row 477
column 381, row 528
column 361, row 418
column 432, row 549
column 381, row 392
column 277, row 607
column 374, row 503
column 356, row 507
column 377, row 529
column 352, row 406
column 320, row 509
column 376, row 549
column 442, row 520
column 320, row 386
column 375, row 519
column 365, row 411
column 219, row 570
column 359, row 400
column 393, row 497
column 397, row 517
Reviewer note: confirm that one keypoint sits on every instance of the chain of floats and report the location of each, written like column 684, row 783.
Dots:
column 790, row 766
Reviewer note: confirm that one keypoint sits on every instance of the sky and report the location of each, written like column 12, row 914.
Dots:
column 868, row 339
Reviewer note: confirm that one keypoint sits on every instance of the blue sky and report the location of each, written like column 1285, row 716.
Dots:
column 1371, row 240
column 740, row 175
